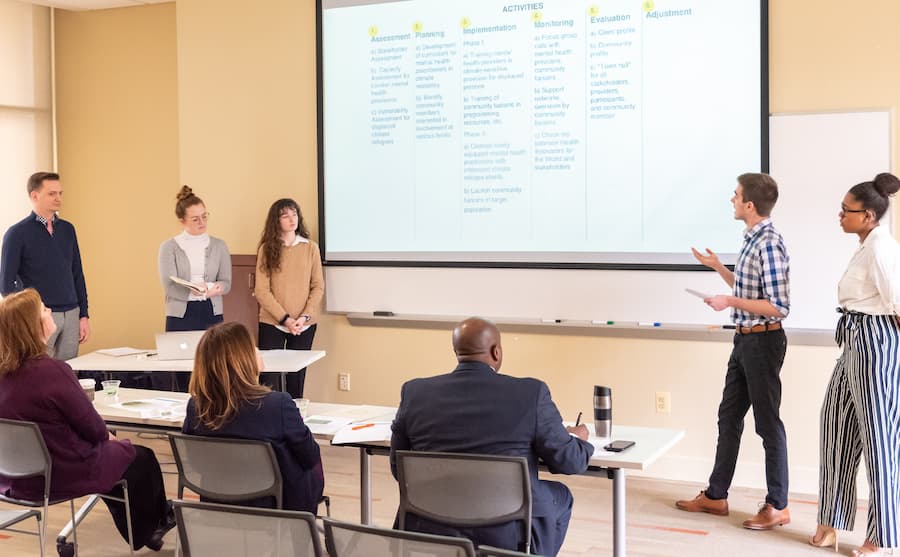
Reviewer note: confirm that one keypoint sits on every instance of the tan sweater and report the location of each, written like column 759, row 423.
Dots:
column 296, row 289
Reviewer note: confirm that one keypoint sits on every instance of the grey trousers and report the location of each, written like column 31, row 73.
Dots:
column 63, row 344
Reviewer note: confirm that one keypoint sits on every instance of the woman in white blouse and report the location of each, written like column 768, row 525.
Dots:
column 197, row 258
column 861, row 411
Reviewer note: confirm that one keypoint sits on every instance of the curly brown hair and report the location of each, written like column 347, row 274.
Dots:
column 270, row 243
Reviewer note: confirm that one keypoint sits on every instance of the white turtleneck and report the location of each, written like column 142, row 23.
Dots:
column 195, row 249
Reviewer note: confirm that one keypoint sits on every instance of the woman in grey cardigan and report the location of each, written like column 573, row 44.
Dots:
column 199, row 259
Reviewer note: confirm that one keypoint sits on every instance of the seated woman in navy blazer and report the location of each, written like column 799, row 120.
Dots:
column 85, row 457
column 228, row 401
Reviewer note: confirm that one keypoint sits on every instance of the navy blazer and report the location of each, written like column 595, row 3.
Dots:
column 477, row 410
column 276, row 419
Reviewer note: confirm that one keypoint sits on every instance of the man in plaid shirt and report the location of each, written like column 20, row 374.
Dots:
column 761, row 299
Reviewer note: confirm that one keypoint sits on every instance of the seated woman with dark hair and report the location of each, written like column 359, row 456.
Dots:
column 85, row 457
column 228, row 401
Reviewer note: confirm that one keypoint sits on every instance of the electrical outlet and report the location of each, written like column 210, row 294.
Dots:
column 343, row 381
column 663, row 402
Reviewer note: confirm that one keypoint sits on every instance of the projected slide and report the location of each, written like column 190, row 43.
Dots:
column 555, row 131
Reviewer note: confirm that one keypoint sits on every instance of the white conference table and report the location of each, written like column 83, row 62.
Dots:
column 650, row 445
column 153, row 421
column 274, row 361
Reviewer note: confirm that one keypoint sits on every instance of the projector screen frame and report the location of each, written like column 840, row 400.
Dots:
column 320, row 120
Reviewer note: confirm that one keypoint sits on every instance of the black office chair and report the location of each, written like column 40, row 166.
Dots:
column 465, row 490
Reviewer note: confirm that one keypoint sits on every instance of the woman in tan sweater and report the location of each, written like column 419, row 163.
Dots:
column 289, row 285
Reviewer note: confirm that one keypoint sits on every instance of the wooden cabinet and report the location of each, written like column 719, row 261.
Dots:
column 240, row 303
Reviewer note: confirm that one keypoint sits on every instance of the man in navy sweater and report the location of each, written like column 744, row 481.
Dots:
column 41, row 252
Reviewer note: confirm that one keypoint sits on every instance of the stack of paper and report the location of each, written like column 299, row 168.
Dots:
column 199, row 289
column 363, row 433
column 123, row 351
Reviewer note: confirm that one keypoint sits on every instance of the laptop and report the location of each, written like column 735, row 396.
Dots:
column 177, row 346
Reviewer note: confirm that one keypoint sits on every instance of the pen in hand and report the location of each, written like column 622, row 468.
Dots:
column 578, row 430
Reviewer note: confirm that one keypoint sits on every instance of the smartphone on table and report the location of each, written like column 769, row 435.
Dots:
column 618, row 446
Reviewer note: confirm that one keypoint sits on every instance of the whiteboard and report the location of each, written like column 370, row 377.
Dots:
column 815, row 158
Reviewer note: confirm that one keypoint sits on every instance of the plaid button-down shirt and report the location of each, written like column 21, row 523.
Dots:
column 761, row 273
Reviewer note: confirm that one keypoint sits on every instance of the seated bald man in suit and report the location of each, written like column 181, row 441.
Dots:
column 475, row 409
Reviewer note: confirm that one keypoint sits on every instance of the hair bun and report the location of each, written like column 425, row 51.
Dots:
column 886, row 184
column 184, row 193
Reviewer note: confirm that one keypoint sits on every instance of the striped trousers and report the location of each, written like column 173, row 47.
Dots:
column 861, row 417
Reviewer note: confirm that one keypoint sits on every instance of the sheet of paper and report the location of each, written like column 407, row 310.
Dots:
column 284, row 329
column 123, row 351
column 325, row 425
column 363, row 433
column 384, row 417
column 361, row 413
column 701, row 295
column 599, row 443
column 162, row 408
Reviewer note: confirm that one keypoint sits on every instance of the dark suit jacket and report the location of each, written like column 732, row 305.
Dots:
column 275, row 419
column 476, row 410
column 84, row 460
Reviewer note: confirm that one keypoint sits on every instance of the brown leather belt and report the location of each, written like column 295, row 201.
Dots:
column 760, row 328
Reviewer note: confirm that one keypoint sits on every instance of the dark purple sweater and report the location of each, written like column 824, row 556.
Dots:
column 84, row 460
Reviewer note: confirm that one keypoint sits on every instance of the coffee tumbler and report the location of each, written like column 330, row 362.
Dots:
column 602, row 411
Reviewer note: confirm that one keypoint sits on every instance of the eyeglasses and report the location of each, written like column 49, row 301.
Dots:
column 202, row 218
column 845, row 210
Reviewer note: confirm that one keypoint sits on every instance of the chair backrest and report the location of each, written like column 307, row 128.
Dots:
column 209, row 529
column 488, row 551
column 23, row 453
column 343, row 539
column 226, row 469
column 465, row 490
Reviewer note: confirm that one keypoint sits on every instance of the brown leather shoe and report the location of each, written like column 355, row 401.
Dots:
column 768, row 517
column 703, row 504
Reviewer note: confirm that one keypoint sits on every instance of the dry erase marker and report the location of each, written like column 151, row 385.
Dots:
column 578, row 420
column 728, row 326
column 602, row 322
column 551, row 320
column 362, row 426
column 649, row 324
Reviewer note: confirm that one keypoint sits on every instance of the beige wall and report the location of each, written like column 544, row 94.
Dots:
column 247, row 110
column 118, row 159
column 246, row 132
